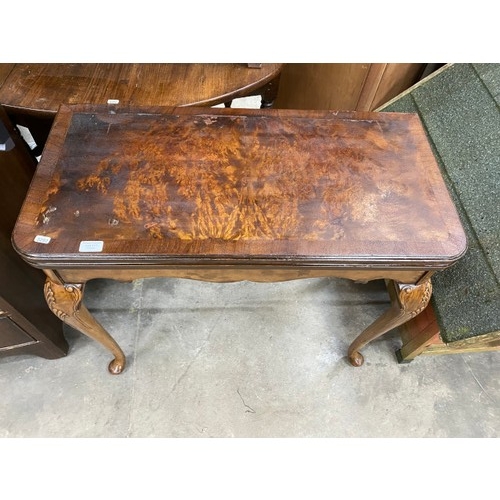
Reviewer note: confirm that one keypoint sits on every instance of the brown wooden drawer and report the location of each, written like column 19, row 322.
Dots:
column 12, row 335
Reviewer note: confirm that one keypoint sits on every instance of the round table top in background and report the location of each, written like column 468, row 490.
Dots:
column 42, row 88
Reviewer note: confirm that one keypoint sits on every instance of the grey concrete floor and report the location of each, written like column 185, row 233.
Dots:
column 245, row 360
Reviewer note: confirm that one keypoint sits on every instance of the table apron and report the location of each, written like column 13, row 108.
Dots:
column 232, row 274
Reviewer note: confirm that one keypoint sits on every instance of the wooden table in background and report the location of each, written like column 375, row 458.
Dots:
column 227, row 195
column 32, row 93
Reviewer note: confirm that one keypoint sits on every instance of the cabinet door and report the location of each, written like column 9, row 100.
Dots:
column 344, row 86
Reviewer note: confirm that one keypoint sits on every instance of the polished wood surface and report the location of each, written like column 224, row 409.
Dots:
column 44, row 87
column 5, row 70
column 186, row 185
column 226, row 195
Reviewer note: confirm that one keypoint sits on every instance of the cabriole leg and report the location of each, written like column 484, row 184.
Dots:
column 65, row 301
column 410, row 301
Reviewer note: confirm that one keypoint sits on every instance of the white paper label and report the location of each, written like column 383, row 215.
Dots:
column 113, row 101
column 91, row 246
column 42, row 239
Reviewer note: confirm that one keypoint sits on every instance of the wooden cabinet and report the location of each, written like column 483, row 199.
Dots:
column 12, row 334
column 360, row 87
column 26, row 324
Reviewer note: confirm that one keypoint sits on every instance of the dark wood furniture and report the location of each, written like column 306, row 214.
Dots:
column 32, row 93
column 227, row 195
column 25, row 326
column 353, row 86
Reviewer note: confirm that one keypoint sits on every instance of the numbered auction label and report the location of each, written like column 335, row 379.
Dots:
column 42, row 239
column 91, row 246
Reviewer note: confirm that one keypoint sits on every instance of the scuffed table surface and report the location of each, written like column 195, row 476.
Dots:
column 176, row 185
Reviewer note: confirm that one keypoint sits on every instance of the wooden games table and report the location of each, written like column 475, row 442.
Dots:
column 226, row 195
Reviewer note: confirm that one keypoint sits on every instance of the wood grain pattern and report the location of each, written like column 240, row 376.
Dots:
column 5, row 70
column 42, row 88
column 396, row 79
column 184, row 183
column 357, row 86
column 321, row 86
column 481, row 343
column 371, row 84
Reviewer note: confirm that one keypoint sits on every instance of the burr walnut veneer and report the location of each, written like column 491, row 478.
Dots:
column 227, row 195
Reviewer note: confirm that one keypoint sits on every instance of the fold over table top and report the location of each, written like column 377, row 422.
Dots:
column 186, row 186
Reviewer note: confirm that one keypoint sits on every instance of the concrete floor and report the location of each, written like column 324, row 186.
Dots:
column 245, row 360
